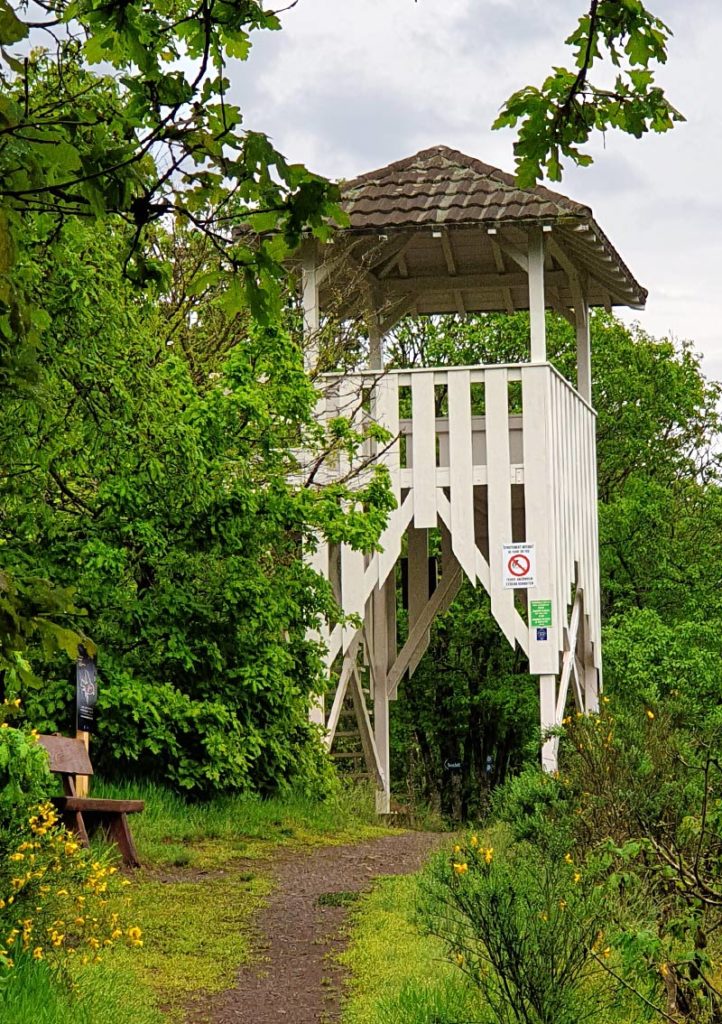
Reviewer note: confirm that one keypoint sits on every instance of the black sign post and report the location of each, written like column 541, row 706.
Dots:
column 86, row 691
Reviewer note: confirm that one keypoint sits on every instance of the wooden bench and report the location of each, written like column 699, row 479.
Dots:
column 85, row 815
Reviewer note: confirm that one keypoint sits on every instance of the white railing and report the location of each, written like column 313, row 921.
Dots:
column 498, row 454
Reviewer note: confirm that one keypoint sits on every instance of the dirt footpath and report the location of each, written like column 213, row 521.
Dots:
column 295, row 978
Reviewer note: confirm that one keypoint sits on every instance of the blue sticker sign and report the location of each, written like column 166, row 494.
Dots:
column 542, row 634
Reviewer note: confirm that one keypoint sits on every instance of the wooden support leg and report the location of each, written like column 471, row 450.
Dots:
column 589, row 673
column 77, row 825
column 378, row 657
column 118, row 832
column 548, row 704
column 317, row 711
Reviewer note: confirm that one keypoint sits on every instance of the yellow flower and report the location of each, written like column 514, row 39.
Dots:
column 457, row 848
column 461, row 869
column 650, row 714
column 488, row 854
column 38, row 953
column 135, row 933
column 607, row 951
column 567, row 858
column 474, row 842
column 577, row 876
column 562, row 904
column 460, row 959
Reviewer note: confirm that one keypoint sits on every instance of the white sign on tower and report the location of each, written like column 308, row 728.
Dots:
column 518, row 566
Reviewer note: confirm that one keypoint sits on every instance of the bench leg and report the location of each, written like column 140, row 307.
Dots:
column 118, row 832
column 74, row 823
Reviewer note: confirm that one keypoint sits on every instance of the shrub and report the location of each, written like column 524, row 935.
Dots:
column 525, row 927
column 535, row 807
column 54, row 895
column 25, row 780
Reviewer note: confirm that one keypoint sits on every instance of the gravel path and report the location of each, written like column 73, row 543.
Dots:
column 295, row 978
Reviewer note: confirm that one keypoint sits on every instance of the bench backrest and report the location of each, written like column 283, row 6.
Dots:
column 68, row 757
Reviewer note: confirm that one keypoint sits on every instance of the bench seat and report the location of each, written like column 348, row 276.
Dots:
column 89, row 803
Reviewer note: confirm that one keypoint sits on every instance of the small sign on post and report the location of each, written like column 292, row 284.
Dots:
column 86, row 696
column 86, row 691
column 540, row 613
column 518, row 566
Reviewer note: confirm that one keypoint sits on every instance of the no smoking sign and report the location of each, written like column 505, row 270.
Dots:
column 518, row 566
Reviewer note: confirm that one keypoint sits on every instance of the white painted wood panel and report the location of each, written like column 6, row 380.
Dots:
column 461, row 472
column 499, row 491
column 423, row 447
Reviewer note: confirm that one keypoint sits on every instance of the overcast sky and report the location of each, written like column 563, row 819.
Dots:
column 350, row 85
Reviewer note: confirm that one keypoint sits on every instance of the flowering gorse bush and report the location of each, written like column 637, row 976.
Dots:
column 56, row 898
column 525, row 927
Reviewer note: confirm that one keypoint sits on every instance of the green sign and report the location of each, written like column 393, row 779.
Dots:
column 540, row 613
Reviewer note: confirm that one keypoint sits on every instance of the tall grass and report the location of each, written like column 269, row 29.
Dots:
column 171, row 824
column 33, row 994
column 399, row 974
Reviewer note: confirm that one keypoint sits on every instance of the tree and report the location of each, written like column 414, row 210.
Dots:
column 159, row 478
column 558, row 118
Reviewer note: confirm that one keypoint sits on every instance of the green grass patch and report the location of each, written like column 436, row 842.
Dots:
column 172, row 832
column 338, row 899
column 196, row 931
column 32, row 994
column 398, row 974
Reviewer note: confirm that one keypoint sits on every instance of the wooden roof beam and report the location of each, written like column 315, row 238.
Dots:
column 465, row 282
column 448, row 253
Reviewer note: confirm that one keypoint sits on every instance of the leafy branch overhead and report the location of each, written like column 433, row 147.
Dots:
column 557, row 120
column 157, row 135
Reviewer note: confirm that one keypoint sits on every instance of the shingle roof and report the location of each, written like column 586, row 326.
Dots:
column 443, row 186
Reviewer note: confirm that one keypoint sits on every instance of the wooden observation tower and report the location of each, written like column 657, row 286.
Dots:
column 513, row 493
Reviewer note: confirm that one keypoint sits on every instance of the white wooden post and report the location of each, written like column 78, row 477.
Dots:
column 548, row 704
column 537, row 303
column 311, row 313
column 584, row 352
column 379, row 669
column 376, row 351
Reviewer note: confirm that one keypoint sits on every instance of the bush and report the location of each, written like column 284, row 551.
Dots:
column 535, row 807
column 54, row 895
column 25, row 781
column 525, row 927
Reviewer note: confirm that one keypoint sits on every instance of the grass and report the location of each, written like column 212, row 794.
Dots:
column 206, row 876
column 398, row 974
column 172, row 832
column 31, row 994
